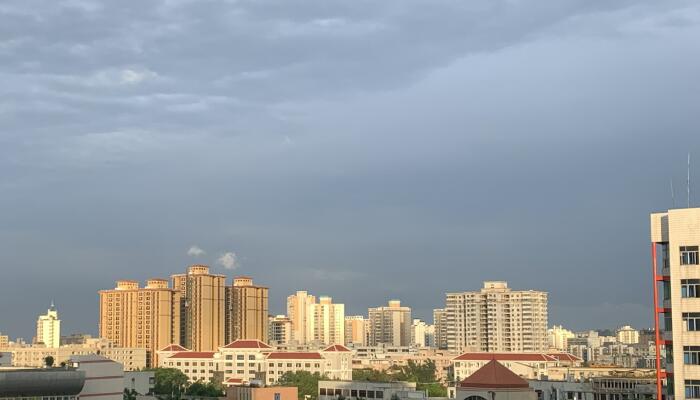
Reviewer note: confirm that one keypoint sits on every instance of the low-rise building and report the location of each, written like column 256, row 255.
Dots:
column 33, row 356
column 494, row 381
column 332, row 390
column 41, row 384
column 526, row 365
column 140, row 382
column 261, row 393
column 104, row 378
column 244, row 361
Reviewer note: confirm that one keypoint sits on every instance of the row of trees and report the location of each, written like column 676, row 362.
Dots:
column 424, row 374
column 172, row 383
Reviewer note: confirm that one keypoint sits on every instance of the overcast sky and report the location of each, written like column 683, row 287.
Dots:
column 366, row 150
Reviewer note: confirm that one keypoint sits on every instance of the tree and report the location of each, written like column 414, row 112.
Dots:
column 170, row 382
column 48, row 361
column 306, row 383
column 129, row 394
column 206, row 389
column 371, row 375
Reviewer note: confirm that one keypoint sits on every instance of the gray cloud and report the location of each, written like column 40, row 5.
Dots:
column 372, row 150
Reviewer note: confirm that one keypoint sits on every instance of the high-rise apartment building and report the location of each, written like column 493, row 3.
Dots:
column 297, row 311
column 280, row 330
column 390, row 325
column 4, row 340
column 246, row 311
column 145, row 318
column 420, row 333
column 440, row 324
column 202, row 308
column 559, row 338
column 326, row 322
column 497, row 319
column 675, row 240
column 627, row 335
column 48, row 328
column 356, row 330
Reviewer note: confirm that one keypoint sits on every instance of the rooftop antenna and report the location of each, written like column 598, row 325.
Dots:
column 688, row 180
column 673, row 195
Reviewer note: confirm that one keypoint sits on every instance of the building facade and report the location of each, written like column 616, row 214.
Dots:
column 135, row 317
column 497, row 319
column 280, row 330
column 675, row 239
column 440, row 324
column 559, row 338
column 356, row 330
column 48, row 328
column 297, row 311
column 246, row 311
column 326, row 322
column 627, row 335
column 201, row 304
column 390, row 325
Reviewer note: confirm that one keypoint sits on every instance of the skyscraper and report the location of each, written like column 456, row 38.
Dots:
column 675, row 240
column 202, row 303
column 48, row 328
column 297, row 309
column 246, row 311
column 497, row 319
column 136, row 317
column 390, row 325
column 326, row 322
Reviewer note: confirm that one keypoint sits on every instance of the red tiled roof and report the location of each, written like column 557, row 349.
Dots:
column 234, row 381
column 193, row 354
column 247, row 344
column 337, row 347
column 279, row 355
column 173, row 347
column 506, row 357
column 565, row 357
column 494, row 375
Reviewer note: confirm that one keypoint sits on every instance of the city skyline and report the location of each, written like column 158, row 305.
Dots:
column 367, row 151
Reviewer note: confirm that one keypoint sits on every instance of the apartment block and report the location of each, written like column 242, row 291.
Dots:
column 675, row 240
column 440, row 324
column 356, row 330
column 390, row 325
column 201, row 308
column 280, row 329
column 497, row 319
column 48, row 328
column 326, row 322
column 297, row 311
column 246, row 311
column 135, row 317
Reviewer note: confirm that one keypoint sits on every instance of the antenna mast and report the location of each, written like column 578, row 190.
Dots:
column 673, row 195
column 688, row 182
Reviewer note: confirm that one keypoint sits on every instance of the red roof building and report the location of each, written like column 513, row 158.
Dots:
column 493, row 375
column 247, row 344
column 336, row 347
column 289, row 355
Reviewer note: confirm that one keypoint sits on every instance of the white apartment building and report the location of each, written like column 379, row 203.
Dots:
column 390, row 325
column 279, row 329
column 559, row 338
column 627, row 335
column 675, row 239
column 497, row 319
column 325, row 322
column 48, row 328
column 422, row 334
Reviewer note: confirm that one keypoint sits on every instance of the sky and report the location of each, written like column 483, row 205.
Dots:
column 365, row 150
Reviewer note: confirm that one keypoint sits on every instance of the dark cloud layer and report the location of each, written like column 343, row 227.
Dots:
column 365, row 150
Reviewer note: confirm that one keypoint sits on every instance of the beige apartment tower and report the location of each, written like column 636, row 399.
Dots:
column 356, row 330
column 326, row 322
column 497, row 319
column 202, row 308
column 135, row 317
column 675, row 239
column 390, row 325
column 297, row 311
column 280, row 330
column 246, row 311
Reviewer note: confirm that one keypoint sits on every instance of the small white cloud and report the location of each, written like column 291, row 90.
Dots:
column 131, row 76
column 195, row 251
column 228, row 260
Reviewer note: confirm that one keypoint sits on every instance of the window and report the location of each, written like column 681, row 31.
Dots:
column 380, row 394
column 322, row 391
column 252, row 357
column 692, row 389
column 690, row 288
column 692, row 321
column 363, row 394
column 370, row 394
column 691, row 355
column 240, row 357
column 353, row 392
column 689, row 255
